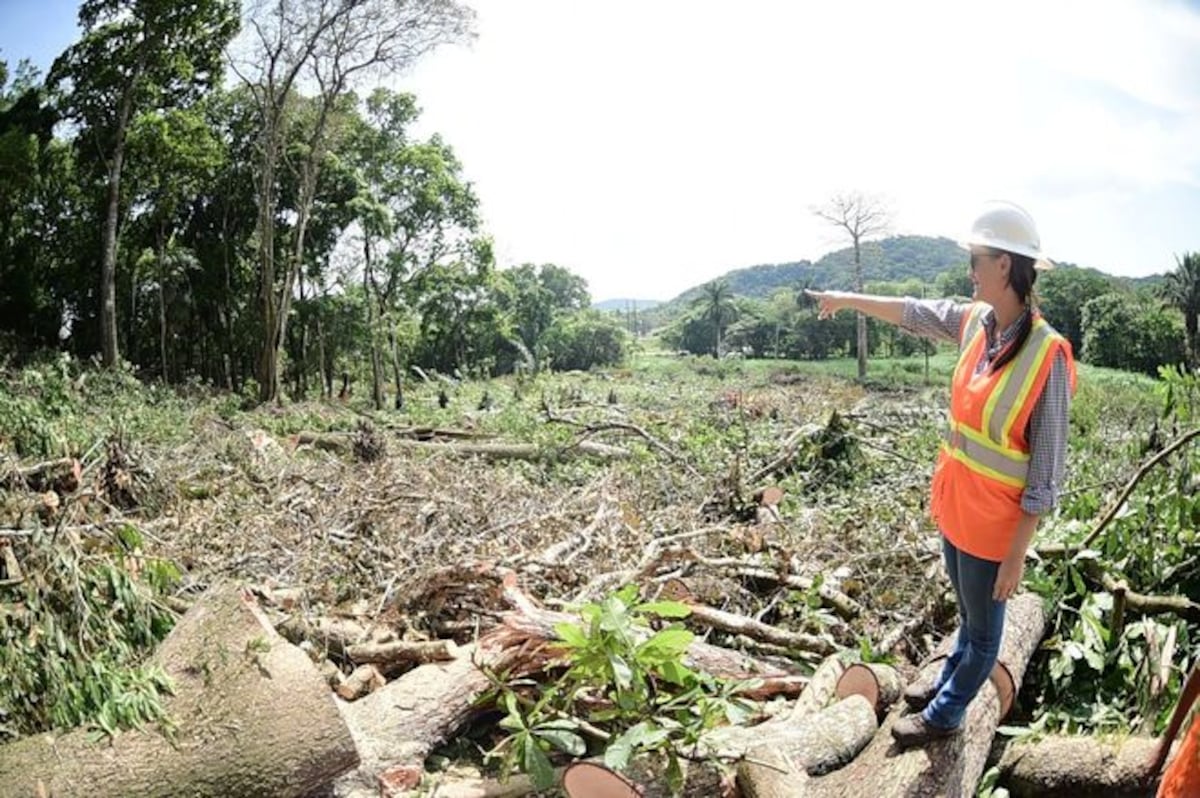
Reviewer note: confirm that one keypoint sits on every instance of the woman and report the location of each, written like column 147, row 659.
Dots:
column 1001, row 464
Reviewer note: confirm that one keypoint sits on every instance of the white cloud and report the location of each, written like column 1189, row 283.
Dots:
column 651, row 145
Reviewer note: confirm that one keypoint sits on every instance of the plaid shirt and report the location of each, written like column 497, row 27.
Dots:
column 940, row 319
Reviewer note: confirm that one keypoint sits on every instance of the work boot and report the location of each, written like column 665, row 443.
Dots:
column 919, row 694
column 913, row 730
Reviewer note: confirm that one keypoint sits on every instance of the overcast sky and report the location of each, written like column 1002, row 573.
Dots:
column 653, row 144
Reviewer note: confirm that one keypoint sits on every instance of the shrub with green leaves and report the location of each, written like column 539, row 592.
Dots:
column 625, row 686
column 75, row 633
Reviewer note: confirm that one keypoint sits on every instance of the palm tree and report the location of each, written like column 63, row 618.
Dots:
column 716, row 303
column 1181, row 289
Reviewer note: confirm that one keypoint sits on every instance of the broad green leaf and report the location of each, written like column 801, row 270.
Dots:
column 537, row 765
column 622, row 673
column 620, row 749
column 571, row 634
column 563, row 740
column 670, row 642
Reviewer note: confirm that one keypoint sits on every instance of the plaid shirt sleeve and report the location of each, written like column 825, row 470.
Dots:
column 938, row 319
column 1047, row 434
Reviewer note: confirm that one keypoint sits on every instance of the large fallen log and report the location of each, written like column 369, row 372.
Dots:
column 1080, row 767
column 950, row 767
column 253, row 717
column 520, row 451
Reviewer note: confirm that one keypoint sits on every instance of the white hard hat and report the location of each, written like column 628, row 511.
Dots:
column 1006, row 226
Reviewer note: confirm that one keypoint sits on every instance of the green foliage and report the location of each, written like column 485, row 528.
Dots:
column 583, row 340
column 623, row 677
column 1061, row 295
column 1122, row 332
column 74, row 635
column 1181, row 289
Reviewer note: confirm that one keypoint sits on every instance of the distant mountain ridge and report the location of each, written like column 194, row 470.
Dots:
column 891, row 259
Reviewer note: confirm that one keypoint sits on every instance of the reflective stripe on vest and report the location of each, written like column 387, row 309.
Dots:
column 989, row 453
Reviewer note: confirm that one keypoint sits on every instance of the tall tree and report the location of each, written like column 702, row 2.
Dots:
column 134, row 54
column 330, row 45
column 416, row 210
column 1181, row 289
column 717, row 306
column 862, row 217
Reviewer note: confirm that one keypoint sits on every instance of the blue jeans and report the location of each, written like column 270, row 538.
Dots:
column 981, row 620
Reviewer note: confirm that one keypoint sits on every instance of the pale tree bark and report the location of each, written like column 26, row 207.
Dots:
column 253, row 715
column 862, row 217
column 333, row 44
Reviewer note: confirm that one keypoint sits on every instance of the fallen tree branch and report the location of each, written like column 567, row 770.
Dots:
column 61, row 476
column 623, row 426
column 846, row 607
column 399, row 652
column 1115, row 507
column 740, row 624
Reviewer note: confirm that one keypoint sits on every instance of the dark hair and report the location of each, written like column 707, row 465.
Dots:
column 1021, row 276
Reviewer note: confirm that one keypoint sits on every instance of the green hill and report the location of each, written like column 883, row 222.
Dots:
column 891, row 259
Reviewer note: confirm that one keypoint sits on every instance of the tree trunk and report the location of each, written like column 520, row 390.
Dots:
column 268, row 361
column 950, row 767
column 110, row 353
column 1080, row 767
column 254, row 718
column 372, row 327
column 861, row 320
column 162, row 304
column 397, row 372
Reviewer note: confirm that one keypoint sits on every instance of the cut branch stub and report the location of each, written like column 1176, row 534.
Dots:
column 592, row 780
column 879, row 684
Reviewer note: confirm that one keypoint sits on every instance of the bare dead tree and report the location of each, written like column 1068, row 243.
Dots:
column 863, row 217
column 328, row 48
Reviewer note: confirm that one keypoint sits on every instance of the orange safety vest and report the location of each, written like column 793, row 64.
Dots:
column 1181, row 779
column 983, row 463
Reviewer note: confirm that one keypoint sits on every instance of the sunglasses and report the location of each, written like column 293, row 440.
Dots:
column 976, row 257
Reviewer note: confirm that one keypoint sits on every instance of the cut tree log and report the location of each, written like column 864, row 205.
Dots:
column 769, row 773
column 521, row 451
column 1080, row 767
column 880, row 684
column 365, row 679
column 645, row 777
column 401, row 652
column 816, row 744
column 950, row 767
column 396, row 727
column 253, row 717
column 337, row 635
column 818, row 693
column 335, row 442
